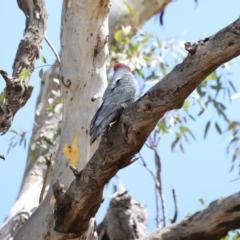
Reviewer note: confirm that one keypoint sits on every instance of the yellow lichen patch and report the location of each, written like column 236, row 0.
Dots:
column 71, row 153
column 52, row 201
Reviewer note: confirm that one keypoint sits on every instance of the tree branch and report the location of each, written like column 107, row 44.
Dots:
column 17, row 91
column 127, row 136
column 212, row 223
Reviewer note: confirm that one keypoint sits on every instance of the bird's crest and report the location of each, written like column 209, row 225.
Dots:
column 118, row 65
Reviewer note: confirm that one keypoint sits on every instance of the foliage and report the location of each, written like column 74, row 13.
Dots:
column 24, row 74
column 151, row 59
column 232, row 235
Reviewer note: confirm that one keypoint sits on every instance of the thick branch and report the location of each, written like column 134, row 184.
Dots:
column 212, row 223
column 17, row 91
column 128, row 135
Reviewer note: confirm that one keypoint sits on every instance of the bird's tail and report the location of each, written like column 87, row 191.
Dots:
column 100, row 128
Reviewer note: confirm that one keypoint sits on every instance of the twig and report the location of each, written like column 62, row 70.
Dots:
column 58, row 190
column 48, row 164
column 2, row 157
column 152, row 145
column 156, row 187
column 158, row 176
column 46, row 65
column 76, row 171
column 173, row 220
column 52, row 47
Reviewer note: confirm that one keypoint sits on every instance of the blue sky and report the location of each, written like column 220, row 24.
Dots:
column 201, row 172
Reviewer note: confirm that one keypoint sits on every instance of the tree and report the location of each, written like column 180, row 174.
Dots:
column 130, row 137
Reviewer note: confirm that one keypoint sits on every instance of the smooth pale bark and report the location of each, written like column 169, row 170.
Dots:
column 28, row 196
column 82, row 77
column 29, row 193
column 17, row 93
column 128, row 134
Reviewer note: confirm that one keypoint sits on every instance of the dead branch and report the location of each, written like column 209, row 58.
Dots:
column 174, row 219
column 128, row 135
column 156, row 189
column 159, row 180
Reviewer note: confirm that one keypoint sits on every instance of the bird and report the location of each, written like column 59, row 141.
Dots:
column 120, row 92
column 125, row 218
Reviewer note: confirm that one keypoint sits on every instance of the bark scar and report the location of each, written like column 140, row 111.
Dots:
column 67, row 83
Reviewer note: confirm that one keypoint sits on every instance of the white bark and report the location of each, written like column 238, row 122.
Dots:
column 83, row 59
column 32, row 183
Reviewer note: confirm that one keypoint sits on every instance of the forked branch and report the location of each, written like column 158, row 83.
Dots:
column 127, row 136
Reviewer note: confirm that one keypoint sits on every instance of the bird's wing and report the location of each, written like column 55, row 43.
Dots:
column 121, row 91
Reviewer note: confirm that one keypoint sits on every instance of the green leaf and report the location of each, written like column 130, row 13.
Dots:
column 234, row 157
column 2, row 97
column 207, row 128
column 164, row 71
column 225, row 238
column 174, row 143
column 118, row 35
column 232, row 125
column 13, row 131
column 185, row 105
column 162, row 127
column 130, row 10
column 212, row 76
column 22, row 138
column 232, row 86
column 47, row 140
column 218, row 128
column 191, row 117
column 25, row 143
column 236, row 235
column 201, row 201
column 184, row 129
column 181, row 148
column 24, row 74
column 41, row 73
column 43, row 58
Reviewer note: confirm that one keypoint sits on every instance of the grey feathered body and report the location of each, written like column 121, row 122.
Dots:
column 119, row 93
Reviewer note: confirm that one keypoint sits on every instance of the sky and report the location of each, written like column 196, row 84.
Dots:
column 201, row 172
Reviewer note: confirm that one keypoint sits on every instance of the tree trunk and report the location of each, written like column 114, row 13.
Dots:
column 82, row 76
